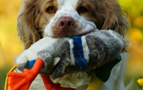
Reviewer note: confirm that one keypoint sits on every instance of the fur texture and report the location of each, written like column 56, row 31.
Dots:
column 102, row 50
column 33, row 20
column 40, row 18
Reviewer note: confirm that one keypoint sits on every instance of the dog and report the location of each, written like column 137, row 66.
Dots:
column 66, row 18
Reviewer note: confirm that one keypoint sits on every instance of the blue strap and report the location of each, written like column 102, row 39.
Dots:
column 30, row 64
column 80, row 61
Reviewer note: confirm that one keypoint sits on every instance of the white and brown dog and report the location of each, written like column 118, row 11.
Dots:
column 65, row 18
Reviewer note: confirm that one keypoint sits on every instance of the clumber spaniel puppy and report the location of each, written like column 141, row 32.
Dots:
column 67, row 18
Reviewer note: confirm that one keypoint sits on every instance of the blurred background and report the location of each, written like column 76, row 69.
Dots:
column 11, row 47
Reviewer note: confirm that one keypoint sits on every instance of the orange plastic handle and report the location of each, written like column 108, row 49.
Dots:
column 22, row 81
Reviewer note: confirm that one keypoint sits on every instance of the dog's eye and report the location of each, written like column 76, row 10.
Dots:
column 82, row 9
column 51, row 9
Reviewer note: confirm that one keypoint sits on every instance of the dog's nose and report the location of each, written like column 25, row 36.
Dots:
column 66, row 23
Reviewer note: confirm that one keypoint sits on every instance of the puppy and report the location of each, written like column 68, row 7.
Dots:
column 39, row 18
column 65, row 18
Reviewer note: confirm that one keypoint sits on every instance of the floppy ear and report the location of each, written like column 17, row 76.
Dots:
column 113, row 17
column 26, row 23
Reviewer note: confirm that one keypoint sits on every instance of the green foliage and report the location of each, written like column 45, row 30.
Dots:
column 3, row 73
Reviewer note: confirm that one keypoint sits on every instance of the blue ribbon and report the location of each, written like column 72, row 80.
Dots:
column 80, row 61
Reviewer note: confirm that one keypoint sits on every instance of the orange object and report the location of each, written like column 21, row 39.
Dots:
column 6, row 80
column 51, row 86
column 22, row 81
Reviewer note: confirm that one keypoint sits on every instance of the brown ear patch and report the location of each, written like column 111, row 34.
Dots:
column 110, row 21
column 37, row 20
column 111, row 15
column 26, row 23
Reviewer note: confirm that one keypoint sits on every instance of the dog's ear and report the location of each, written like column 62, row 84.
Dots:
column 26, row 23
column 113, row 17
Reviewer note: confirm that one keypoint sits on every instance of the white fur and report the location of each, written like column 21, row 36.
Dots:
column 67, row 8
column 71, row 52
column 76, row 80
column 85, row 49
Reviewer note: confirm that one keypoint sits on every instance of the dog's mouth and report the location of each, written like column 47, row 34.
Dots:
column 70, row 33
column 75, row 31
column 68, row 27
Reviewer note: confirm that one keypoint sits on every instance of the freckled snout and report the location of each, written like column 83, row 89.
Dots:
column 69, row 26
column 66, row 23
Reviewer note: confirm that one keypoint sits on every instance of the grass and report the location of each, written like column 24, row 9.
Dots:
column 3, row 73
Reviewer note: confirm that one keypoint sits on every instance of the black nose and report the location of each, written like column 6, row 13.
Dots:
column 66, row 23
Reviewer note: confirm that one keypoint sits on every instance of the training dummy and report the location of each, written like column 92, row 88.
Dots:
column 62, row 57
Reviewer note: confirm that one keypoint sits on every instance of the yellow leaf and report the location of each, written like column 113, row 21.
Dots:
column 140, row 81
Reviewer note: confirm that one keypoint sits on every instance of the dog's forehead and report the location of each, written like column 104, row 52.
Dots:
column 67, row 3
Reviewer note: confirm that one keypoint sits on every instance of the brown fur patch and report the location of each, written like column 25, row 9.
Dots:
column 44, row 16
column 29, row 24
column 112, row 16
column 106, row 14
column 91, row 14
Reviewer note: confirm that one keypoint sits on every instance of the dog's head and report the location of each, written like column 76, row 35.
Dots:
column 63, row 18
